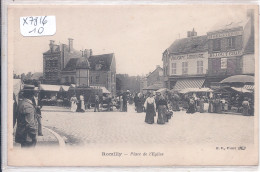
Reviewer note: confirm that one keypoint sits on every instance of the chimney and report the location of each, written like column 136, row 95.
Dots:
column 51, row 45
column 70, row 44
column 87, row 53
column 157, row 66
column 91, row 52
column 191, row 33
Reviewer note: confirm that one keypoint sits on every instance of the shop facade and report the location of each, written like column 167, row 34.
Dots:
column 186, row 62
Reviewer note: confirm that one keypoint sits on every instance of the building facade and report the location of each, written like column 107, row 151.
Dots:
column 204, row 61
column 231, row 51
column 60, row 67
column 185, row 62
column 153, row 81
column 55, row 59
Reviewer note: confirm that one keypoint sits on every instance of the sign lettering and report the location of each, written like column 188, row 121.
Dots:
column 226, row 54
column 188, row 56
column 226, row 34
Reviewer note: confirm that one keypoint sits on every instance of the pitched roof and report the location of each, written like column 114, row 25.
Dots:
column 56, row 48
column 71, row 65
column 157, row 68
column 189, row 45
column 250, row 46
column 105, row 61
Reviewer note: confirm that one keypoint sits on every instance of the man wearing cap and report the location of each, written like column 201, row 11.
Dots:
column 36, row 103
column 26, row 119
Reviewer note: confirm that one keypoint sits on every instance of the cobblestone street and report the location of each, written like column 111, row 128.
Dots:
column 130, row 128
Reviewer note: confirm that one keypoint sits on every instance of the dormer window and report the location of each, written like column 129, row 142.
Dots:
column 98, row 66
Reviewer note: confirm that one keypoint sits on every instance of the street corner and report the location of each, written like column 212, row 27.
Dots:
column 48, row 138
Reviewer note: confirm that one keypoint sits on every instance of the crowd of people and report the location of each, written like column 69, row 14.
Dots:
column 211, row 103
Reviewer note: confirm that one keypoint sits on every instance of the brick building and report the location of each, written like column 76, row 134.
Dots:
column 101, row 72
column 55, row 59
column 231, row 50
column 203, row 61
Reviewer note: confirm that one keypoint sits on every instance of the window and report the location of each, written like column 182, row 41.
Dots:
column 184, row 67
column 90, row 80
column 199, row 67
column 173, row 71
column 72, row 80
column 231, row 43
column 67, row 79
column 216, row 45
column 97, row 79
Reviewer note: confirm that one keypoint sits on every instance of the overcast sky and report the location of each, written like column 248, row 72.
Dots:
column 137, row 35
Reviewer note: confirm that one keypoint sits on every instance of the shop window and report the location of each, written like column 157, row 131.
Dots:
column 72, row 80
column 184, row 68
column 199, row 67
column 97, row 79
column 216, row 44
column 231, row 43
column 173, row 69
column 67, row 79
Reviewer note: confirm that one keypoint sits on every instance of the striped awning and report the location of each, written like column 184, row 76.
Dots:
column 189, row 83
column 249, row 87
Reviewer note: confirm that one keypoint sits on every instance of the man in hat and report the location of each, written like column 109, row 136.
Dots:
column 36, row 103
column 26, row 119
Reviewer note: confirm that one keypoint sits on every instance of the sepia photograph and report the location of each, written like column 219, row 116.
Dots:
column 132, row 85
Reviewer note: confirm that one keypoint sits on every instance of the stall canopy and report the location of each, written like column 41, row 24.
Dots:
column 104, row 89
column 54, row 88
column 232, row 89
column 64, row 88
column 244, row 79
column 249, row 87
column 195, row 90
column 189, row 83
column 242, row 90
column 162, row 90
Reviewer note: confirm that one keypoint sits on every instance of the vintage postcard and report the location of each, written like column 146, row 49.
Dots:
column 132, row 85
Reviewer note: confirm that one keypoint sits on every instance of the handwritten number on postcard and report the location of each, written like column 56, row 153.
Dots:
column 38, row 25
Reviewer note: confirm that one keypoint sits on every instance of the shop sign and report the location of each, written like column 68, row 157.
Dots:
column 188, row 56
column 226, row 54
column 225, row 34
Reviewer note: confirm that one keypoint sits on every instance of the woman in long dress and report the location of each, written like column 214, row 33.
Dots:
column 201, row 103
column 73, row 101
column 139, row 105
column 191, row 108
column 150, row 109
column 162, row 110
column 121, row 103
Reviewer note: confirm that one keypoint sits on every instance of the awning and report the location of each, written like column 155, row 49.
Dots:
column 64, row 88
column 54, row 88
column 195, row 90
column 189, row 83
column 242, row 90
column 249, row 87
column 104, row 89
